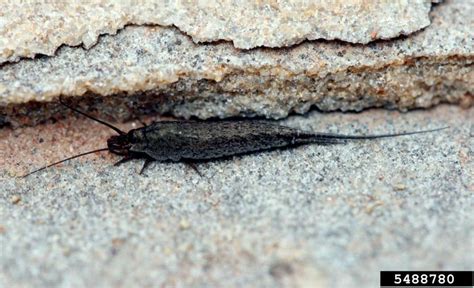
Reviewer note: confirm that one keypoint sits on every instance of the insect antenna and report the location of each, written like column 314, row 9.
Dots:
column 67, row 159
column 93, row 118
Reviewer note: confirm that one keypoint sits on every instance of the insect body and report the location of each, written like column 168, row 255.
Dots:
column 191, row 141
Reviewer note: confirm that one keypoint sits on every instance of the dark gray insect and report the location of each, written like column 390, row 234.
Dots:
column 192, row 141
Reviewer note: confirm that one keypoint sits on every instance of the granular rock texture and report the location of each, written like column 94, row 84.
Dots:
column 314, row 216
column 28, row 28
column 146, row 69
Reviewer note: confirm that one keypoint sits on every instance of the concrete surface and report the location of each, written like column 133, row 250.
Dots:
column 314, row 216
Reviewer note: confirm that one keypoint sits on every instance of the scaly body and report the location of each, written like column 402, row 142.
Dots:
column 196, row 140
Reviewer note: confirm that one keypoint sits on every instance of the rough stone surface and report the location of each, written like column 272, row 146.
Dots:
column 31, row 27
column 160, row 69
column 314, row 216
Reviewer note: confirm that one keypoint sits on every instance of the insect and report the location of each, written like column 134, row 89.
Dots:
column 191, row 141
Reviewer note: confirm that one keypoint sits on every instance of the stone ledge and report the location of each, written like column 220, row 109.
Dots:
column 154, row 69
column 28, row 28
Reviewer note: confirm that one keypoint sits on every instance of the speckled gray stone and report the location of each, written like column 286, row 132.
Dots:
column 159, row 69
column 28, row 28
column 315, row 216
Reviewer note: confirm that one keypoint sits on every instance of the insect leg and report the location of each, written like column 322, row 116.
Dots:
column 145, row 165
column 123, row 160
column 194, row 167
